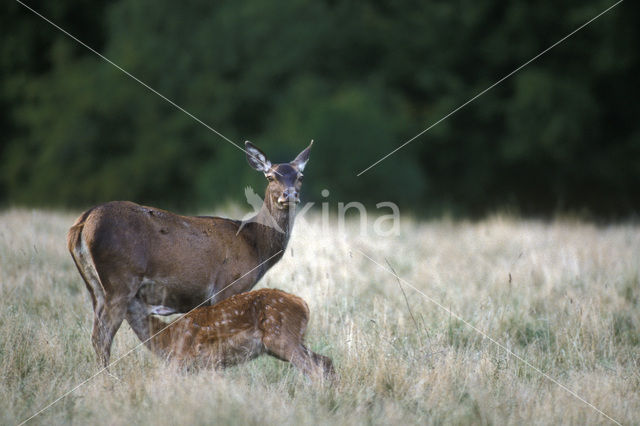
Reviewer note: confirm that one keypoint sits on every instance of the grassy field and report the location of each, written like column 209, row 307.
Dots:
column 562, row 295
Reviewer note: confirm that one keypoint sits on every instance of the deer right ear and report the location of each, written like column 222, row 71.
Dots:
column 256, row 158
column 302, row 158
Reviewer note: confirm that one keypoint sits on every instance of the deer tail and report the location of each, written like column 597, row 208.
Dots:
column 84, row 261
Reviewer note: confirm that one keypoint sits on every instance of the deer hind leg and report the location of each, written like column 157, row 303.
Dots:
column 312, row 364
column 111, row 310
column 107, row 320
column 101, row 323
column 282, row 338
column 321, row 366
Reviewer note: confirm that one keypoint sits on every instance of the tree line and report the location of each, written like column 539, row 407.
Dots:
column 360, row 78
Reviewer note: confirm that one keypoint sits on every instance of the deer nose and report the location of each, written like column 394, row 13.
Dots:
column 289, row 195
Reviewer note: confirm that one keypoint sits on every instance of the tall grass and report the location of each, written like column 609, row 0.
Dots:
column 563, row 295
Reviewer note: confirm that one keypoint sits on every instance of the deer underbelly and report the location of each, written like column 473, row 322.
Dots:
column 164, row 297
column 167, row 295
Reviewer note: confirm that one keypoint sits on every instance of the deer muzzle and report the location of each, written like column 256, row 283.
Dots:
column 289, row 196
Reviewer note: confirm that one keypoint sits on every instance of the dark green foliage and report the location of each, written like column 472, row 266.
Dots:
column 360, row 78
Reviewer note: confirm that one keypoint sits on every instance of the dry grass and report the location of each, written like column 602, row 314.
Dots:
column 570, row 308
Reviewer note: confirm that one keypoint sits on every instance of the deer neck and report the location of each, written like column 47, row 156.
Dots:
column 270, row 230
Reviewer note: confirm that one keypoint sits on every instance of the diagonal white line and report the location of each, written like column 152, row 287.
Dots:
column 140, row 344
column 500, row 345
column 132, row 76
column 490, row 87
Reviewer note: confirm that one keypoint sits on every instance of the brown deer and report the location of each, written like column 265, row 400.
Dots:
column 137, row 260
column 240, row 328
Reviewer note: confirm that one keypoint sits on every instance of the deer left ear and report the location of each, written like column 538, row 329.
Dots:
column 302, row 158
column 256, row 158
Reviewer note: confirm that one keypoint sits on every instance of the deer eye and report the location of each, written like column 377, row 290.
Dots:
column 300, row 177
column 270, row 178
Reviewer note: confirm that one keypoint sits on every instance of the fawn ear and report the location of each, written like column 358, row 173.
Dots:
column 256, row 158
column 302, row 158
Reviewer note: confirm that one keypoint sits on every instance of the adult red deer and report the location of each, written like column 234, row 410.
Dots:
column 240, row 328
column 138, row 260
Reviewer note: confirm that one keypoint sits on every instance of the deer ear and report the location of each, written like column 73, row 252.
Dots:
column 302, row 158
column 256, row 158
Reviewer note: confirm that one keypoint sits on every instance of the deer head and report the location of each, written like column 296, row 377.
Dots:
column 285, row 179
